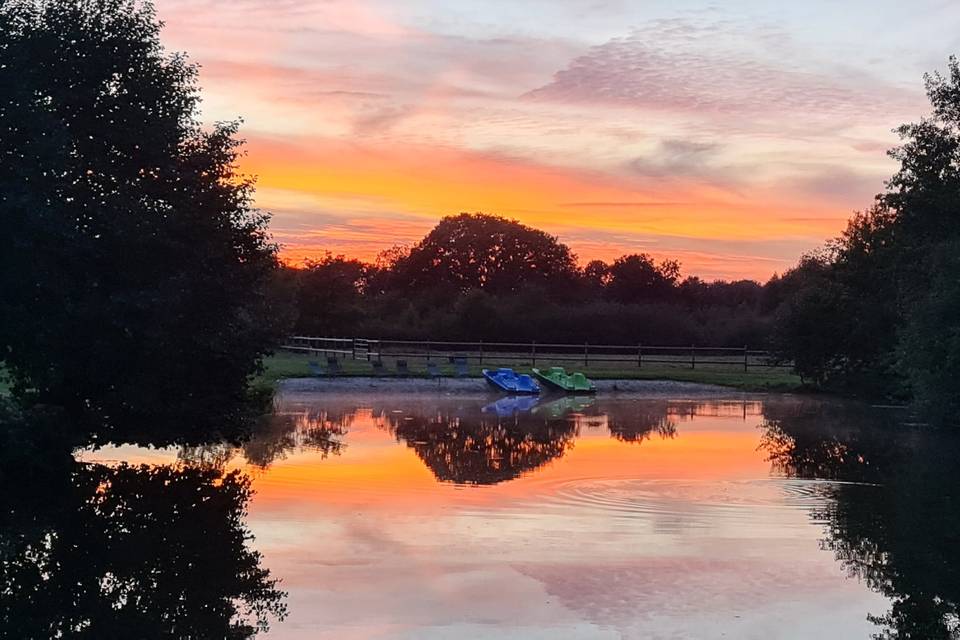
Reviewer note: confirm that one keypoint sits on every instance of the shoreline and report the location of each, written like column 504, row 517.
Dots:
column 287, row 365
column 479, row 387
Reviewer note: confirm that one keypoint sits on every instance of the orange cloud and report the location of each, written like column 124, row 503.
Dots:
column 396, row 193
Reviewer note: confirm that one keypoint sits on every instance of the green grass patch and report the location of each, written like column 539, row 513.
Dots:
column 285, row 364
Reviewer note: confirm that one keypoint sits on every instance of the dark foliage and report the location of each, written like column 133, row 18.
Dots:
column 929, row 346
column 330, row 295
column 134, row 273
column 879, row 314
column 474, row 251
column 635, row 278
column 486, row 293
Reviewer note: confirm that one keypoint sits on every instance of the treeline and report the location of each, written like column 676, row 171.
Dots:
column 483, row 277
column 877, row 311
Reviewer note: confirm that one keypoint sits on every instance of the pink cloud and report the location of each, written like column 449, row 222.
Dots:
column 720, row 69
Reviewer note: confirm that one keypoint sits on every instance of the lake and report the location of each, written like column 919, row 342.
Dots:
column 458, row 516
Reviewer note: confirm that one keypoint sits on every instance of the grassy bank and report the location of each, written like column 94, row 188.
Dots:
column 294, row 365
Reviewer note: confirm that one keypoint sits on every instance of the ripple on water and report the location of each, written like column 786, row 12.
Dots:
column 684, row 502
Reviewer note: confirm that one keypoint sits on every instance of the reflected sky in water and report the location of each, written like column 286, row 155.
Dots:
column 451, row 517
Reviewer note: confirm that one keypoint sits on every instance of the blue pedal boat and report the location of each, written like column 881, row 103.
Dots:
column 509, row 380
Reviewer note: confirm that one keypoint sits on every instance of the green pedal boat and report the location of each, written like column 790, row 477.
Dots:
column 557, row 378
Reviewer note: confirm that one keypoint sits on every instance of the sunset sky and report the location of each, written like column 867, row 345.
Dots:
column 733, row 136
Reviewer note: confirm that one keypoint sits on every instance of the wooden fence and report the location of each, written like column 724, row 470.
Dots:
column 495, row 353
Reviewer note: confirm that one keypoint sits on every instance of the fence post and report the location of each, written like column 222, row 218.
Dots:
column 353, row 349
column 586, row 354
column 640, row 356
column 533, row 352
column 693, row 357
column 481, row 352
column 428, row 351
column 745, row 361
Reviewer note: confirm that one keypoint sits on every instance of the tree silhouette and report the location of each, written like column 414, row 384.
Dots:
column 635, row 278
column 329, row 295
column 134, row 270
column 476, row 251
column 880, row 315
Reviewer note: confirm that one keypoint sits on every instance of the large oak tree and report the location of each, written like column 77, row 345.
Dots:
column 476, row 251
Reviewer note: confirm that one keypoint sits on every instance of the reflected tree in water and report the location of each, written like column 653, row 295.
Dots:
column 137, row 552
column 274, row 438
column 284, row 433
column 900, row 534
column 647, row 419
column 833, row 441
column 103, row 551
column 479, row 449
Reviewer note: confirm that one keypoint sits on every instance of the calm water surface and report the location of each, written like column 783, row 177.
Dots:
column 455, row 517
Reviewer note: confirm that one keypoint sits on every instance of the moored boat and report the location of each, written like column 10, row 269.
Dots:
column 557, row 378
column 509, row 380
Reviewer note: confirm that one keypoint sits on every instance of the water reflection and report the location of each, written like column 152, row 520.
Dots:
column 710, row 509
column 513, row 436
column 565, row 407
column 285, row 433
column 643, row 420
column 274, row 438
column 511, row 405
column 497, row 443
column 91, row 550
column 899, row 534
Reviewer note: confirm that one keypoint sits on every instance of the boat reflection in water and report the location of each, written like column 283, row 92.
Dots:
column 430, row 515
column 510, row 406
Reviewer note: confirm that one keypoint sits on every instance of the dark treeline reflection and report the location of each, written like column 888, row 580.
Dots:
column 275, row 437
column 893, row 522
column 644, row 420
column 93, row 550
column 473, row 444
column 468, row 446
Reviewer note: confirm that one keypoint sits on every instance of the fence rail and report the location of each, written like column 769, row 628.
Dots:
column 492, row 353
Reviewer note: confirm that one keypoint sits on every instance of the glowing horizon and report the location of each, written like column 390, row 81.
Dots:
column 733, row 139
